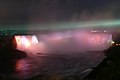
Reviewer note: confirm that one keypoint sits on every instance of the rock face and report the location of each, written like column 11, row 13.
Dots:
column 109, row 68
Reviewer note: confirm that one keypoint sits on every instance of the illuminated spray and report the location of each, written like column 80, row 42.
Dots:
column 77, row 41
column 67, row 43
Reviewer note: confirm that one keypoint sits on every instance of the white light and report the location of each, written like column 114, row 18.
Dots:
column 112, row 42
column 25, row 42
column 105, row 31
column 34, row 39
column 94, row 31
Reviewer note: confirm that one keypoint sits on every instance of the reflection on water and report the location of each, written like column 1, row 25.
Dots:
column 25, row 67
column 52, row 64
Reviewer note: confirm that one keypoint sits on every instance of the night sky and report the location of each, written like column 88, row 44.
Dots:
column 52, row 11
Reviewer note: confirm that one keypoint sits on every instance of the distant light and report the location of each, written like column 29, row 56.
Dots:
column 94, row 31
column 113, row 42
column 105, row 31
column 117, row 44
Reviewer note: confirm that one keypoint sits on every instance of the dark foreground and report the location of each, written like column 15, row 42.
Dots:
column 85, row 66
column 109, row 68
column 55, row 67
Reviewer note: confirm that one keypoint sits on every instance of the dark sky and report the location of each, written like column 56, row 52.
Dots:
column 44, row 11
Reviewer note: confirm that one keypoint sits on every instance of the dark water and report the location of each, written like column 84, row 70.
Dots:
column 52, row 64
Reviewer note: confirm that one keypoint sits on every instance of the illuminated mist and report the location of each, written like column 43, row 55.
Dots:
column 67, row 42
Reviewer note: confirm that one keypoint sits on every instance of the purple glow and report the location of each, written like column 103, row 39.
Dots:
column 69, row 41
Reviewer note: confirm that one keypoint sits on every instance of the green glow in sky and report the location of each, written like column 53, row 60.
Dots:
column 72, row 25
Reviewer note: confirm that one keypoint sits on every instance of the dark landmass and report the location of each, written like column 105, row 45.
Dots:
column 109, row 69
column 8, row 57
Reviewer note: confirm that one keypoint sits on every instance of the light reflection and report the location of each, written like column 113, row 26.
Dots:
column 24, row 68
